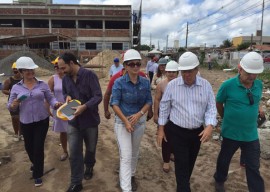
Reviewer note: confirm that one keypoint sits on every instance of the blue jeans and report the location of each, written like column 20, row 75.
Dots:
column 76, row 137
column 251, row 152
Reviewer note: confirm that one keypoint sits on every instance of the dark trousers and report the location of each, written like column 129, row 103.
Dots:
column 34, row 138
column 166, row 148
column 76, row 137
column 251, row 152
column 151, row 75
column 186, row 145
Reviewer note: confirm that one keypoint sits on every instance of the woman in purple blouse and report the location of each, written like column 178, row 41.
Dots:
column 29, row 95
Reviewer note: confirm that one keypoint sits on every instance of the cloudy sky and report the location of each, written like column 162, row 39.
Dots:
column 210, row 21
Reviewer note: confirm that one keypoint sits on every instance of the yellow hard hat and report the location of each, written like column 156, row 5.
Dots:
column 55, row 62
column 14, row 65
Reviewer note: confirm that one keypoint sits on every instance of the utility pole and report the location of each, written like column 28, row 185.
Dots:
column 251, row 42
column 187, row 35
column 150, row 42
column 167, row 44
column 262, row 25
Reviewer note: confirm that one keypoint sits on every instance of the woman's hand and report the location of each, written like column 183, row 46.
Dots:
column 129, row 127
column 14, row 105
column 133, row 119
column 161, row 135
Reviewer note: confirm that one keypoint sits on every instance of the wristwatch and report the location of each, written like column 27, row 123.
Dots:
column 142, row 112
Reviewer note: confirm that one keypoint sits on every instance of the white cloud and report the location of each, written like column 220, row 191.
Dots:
column 210, row 21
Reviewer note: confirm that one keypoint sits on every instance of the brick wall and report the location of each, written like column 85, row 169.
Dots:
column 117, row 33
column 117, row 12
column 28, row 11
column 8, row 11
column 90, row 33
column 68, row 32
column 63, row 12
column 10, row 31
column 36, row 31
column 89, row 12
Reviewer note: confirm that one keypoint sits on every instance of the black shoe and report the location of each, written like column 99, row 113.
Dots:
column 219, row 187
column 75, row 188
column 88, row 174
column 31, row 168
column 134, row 185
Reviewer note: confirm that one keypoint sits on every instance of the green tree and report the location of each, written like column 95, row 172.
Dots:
column 243, row 46
column 226, row 43
column 142, row 48
column 181, row 49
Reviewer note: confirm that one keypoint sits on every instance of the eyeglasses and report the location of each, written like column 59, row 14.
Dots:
column 250, row 97
column 132, row 64
column 27, row 70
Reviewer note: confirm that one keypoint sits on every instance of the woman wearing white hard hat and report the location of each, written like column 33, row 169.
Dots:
column 131, row 99
column 171, row 71
column 28, row 95
column 59, row 125
column 8, row 84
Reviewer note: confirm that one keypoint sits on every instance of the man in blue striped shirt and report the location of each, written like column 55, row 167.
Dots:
column 186, row 106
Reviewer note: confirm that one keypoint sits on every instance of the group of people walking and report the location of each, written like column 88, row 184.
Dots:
column 185, row 110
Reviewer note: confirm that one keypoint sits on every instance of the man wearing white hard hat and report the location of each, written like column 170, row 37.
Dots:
column 238, row 101
column 187, row 105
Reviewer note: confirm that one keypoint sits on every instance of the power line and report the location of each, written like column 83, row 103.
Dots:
column 233, row 22
column 232, row 16
column 225, row 19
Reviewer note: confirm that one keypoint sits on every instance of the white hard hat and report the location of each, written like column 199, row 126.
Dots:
column 188, row 61
column 172, row 66
column 132, row 54
column 26, row 63
column 162, row 61
column 252, row 62
column 167, row 57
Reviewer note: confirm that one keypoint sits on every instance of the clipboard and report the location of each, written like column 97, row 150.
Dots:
column 65, row 112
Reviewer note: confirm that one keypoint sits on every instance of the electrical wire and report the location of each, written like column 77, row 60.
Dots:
column 253, row 6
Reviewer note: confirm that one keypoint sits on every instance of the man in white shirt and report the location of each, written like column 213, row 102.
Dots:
column 151, row 68
column 116, row 67
column 187, row 105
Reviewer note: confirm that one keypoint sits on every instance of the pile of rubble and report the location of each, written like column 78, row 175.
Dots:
column 45, row 67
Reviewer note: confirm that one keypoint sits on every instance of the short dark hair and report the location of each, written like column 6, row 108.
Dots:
column 67, row 57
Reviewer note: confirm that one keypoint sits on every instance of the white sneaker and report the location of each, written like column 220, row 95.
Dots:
column 16, row 138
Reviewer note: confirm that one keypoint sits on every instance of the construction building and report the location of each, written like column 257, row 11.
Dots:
column 39, row 24
column 256, row 40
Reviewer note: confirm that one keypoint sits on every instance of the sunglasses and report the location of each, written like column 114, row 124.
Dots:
column 15, row 72
column 250, row 97
column 26, row 70
column 132, row 64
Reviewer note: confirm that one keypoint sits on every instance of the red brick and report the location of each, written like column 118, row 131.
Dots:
column 29, row 11
column 90, row 33
column 89, row 12
column 118, row 12
column 36, row 31
column 10, row 31
column 62, row 11
column 8, row 11
column 117, row 33
column 68, row 32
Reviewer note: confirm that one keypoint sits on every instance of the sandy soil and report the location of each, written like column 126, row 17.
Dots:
column 15, row 175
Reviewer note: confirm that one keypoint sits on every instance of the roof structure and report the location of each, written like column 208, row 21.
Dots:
column 30, row 39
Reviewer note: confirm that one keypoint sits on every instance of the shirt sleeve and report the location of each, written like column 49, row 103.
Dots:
column 211, row 110
column 221, row 94
column 111, row 82
column 48, row 95
column 12, row 96
column 96, row 90
column 165, row 106
column 116, row 93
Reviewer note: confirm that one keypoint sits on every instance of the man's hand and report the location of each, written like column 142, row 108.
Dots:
column 206, row 134
column 57, row 105
column 68, row 99
column 107, row 114
column 79, row 110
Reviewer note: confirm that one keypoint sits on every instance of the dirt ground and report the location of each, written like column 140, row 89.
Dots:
column 15, row 175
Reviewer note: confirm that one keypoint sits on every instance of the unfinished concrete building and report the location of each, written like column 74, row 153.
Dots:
column 74, row 27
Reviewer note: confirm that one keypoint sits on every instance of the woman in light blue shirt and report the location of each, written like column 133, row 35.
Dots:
column 131, row 99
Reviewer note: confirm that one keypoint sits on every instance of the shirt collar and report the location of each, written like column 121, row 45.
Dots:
column 127, row 78
column 38, row 80
column 198, row 81
column 237, row 77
